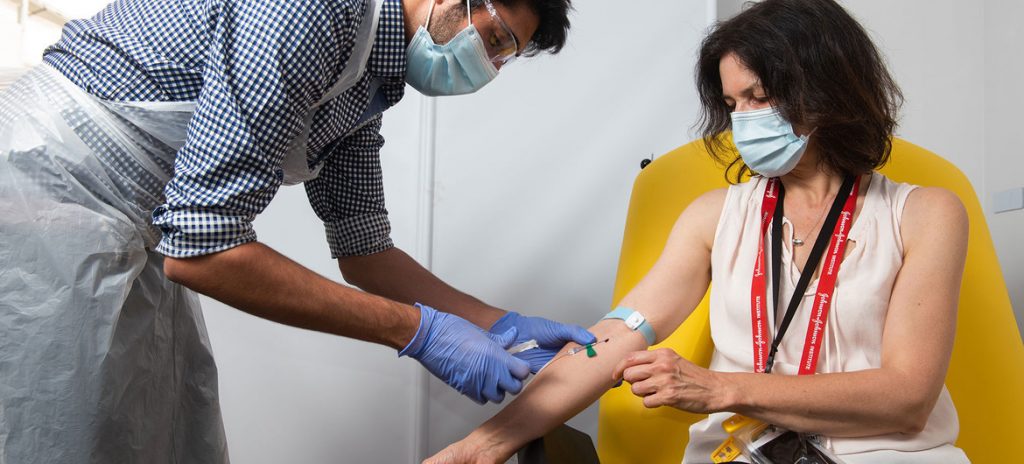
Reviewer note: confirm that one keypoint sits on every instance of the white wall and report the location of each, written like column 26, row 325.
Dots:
column 20, row 45
column 729, row 8
column 941, row 74
column 534, row 172
column 1004, row 153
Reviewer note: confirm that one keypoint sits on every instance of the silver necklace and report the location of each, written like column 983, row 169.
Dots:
column 800, row 241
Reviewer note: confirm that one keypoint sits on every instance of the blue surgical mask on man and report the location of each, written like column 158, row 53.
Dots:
column 766, row 141
column 458, row 67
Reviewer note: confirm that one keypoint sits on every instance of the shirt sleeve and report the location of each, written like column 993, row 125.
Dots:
column 348, row 195
column 268, row 63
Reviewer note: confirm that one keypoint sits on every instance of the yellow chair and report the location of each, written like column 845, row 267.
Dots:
column 986, row 374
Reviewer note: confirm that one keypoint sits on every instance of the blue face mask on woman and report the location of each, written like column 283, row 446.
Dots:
column 458, row 67
column 766, row 141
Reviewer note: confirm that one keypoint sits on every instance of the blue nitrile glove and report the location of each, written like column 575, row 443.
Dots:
column 468, row 359
column 551, row 336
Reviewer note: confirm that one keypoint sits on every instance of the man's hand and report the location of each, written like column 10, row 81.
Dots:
column 465, row 357
column 551, row 336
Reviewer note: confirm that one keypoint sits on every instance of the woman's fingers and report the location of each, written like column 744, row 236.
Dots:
column 635, row 358
column 637, row 373
column 663, row 378
column 666, row 355
column 656, row 401
column 644, row 388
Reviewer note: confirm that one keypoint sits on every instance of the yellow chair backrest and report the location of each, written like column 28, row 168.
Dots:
column 986, row 373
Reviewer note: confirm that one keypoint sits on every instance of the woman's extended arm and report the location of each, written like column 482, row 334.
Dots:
column 916, row 345
column 666, row 296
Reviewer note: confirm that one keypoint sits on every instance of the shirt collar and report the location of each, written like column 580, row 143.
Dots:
column 387, row 59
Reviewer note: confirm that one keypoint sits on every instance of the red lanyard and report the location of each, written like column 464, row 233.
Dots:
column 764, row 351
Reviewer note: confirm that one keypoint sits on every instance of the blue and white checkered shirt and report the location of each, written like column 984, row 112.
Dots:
column 254, row 69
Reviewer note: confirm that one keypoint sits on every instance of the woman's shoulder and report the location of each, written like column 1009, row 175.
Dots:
column 711, row 201
column 917, row 200
column 934, row 205
column 915, row 207
column 933, row 213
column 740, row 194
column 708, row 206
column 701, row 216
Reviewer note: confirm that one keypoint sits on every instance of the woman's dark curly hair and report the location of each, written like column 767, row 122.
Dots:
column 817, row 65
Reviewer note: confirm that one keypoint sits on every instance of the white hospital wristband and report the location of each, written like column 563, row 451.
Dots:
column 635, row 321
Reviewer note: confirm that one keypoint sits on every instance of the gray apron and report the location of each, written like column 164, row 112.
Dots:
column 102, row 359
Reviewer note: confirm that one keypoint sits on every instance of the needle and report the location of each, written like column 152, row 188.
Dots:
column 590, row 348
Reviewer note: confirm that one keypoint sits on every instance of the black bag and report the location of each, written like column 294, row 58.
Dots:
column 563, row 445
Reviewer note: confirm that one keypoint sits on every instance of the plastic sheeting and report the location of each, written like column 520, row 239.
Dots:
column 9, row 75
column 102, row 359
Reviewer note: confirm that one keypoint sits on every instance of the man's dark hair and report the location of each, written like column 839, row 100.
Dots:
column 818, row 66
column 554, row 23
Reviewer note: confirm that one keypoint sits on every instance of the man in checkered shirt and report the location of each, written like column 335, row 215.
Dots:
column 261, row 82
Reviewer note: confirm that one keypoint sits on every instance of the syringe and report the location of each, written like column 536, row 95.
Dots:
column 527, row 345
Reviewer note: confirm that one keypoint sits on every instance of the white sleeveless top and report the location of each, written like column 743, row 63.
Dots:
column 853, row 339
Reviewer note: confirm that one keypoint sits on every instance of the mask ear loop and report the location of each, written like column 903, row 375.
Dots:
column 430, row 13
column 808, row 135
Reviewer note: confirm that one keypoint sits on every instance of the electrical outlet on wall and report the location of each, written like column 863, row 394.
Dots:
column 1008, row 200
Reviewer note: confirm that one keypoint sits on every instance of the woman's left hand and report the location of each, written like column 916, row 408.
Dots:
column 471, row 450
column 663, row 378
column 458, row 453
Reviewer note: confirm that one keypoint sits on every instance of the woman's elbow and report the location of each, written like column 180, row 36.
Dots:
column 914, row 416
column 912, row 425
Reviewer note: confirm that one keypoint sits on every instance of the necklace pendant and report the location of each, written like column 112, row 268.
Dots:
column 798, row 242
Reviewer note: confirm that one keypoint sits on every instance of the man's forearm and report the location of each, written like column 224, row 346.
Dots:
column 394, row 274
column 256, row 279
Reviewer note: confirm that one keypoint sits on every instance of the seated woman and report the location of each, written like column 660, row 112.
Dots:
column 870, row 319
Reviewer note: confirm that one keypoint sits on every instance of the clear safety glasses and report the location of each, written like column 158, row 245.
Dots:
column 502, row 46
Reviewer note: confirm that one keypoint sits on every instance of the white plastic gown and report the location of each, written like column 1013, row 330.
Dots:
column 102, row 359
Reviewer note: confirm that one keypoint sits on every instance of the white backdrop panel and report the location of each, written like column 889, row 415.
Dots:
column 940, row 72
column 534, row 172
column 1004, row 163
